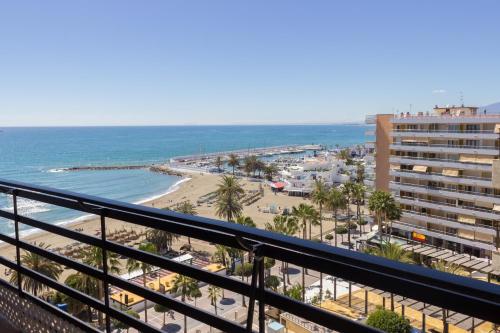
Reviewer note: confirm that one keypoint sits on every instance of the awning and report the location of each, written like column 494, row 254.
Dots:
column 450, row 172
column 483, row 204
column 476, row 159
column 496, row 208
column 497, row 128
column 466, row 219
column 278, row 185
column 423, row 140
column 394, row 167
column 420, row 168
column 466, row 234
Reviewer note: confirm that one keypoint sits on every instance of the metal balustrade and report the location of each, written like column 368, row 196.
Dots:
column 474, row 298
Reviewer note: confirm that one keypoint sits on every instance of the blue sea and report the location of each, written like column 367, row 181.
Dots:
column 37, row 155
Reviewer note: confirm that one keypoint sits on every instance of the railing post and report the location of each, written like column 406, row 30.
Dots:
column 262, row 304
column 105, row 270
column 18, row 251
column 256, row 271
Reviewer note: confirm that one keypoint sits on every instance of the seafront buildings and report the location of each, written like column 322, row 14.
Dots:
column 443, row 167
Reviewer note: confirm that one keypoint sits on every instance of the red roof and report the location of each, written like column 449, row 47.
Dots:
column 279, row 185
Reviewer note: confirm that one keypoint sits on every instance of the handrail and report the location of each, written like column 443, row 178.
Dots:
column 484, row 210
column 444, row 131
column 475, row 298
column 439, row 159
column 440, row 174
column 419, row 144
column 446, row 189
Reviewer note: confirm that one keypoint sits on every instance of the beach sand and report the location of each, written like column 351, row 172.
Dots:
column 198, row 185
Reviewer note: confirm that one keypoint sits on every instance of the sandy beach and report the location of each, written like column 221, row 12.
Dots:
column 193, row 188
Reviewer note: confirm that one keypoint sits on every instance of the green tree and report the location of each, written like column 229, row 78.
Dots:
column 162, row 309
column 285, row 225
column 392, row 251
column 218, row 163
column 233, row 161
column 360, row 173
column 184, row 285
column 229, row 194
column 382, row 203
column 196, row 293
column 122, row 326
column 86, row 284
column 93, row 256
column 450, row 268
column 319, row 196
column 270, row 170
column 248, row 222
column 133, row 265
column 186, row 207
column 213, row 294
column 220, row 255
column 336, row 201
column 348, row 190
column 259, row 166
column 272, row 282
column 388, row 321
column 161, row 239
column 341, row 230
column 38, row 264
column 305, row 213
column 296, row 292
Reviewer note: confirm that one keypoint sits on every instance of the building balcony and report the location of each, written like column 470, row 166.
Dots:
column 440, row 162
column 439, row 177
column 445, row 134
column 445, row 149
column 410, row 227
column 442, row 119
column 449, row 222
column 464, row 296
column 446, row 192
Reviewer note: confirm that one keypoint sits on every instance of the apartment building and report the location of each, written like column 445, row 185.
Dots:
column 444, row 170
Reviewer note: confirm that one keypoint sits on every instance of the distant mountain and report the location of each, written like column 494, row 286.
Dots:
column 492, row 108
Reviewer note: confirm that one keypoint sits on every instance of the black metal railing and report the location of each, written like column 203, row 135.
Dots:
column 467, row 296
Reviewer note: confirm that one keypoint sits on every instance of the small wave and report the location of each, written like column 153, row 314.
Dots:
column 57, row 170
column 29, row 207
column 171, row 189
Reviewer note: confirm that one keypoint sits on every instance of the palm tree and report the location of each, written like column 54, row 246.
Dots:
column 184, row 285
column 451, row 268
column 260, row 166
column 229, row 194
column 319, row 196
column 214, row 294
column 285, row 225
column 336, row 200
column 86, row 284
column 162, row 309
column 392, row 251
column 270, row 170
column 218, row 163
column 233, row 161
column 360, row 172
column 358, row 194
column 162, row 239
column 248, row 222
column 305, row 213
column 133, row 265
column 348, row 190
column 382, row 203
column 250, row 164
column 186, row 207
column 220, row 255
column 196, row 293
column 94, row 257
column 38, row 264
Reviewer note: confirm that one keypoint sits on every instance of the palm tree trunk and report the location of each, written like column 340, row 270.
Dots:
column 242, row 296
column 305, row 237
column 185, row 324
column 164, row 319
column 321, row 222
column 100, row 296
column 287, row 273
column 335, row 231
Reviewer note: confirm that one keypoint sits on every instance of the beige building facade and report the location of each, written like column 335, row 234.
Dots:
column 443, row 167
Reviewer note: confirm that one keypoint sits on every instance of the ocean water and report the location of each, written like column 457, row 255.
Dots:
column 38, row 155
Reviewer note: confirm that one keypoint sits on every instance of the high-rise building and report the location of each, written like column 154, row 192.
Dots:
column 444, row 170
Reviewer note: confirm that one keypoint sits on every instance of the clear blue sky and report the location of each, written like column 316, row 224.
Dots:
column 225, row 62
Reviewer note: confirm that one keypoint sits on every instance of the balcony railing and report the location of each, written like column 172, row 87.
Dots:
column 439, row 160
column 443, row 131
column 473, row 298
column 420, row 144
column 446, row 189
column 474, row 208
column 457, row 178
